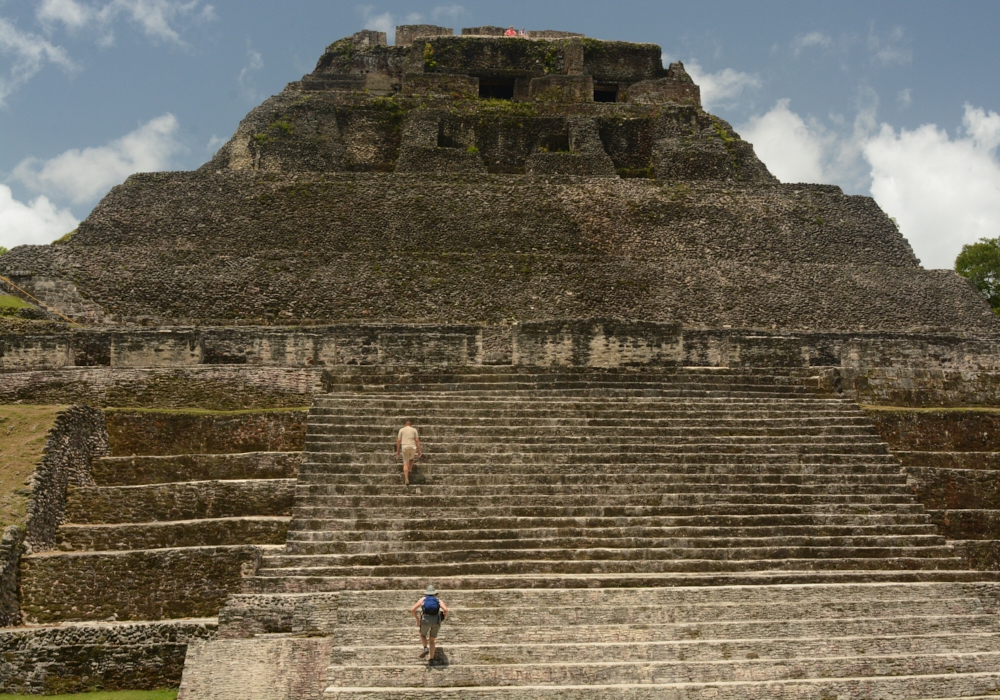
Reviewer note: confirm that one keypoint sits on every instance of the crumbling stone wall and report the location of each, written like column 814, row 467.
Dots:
column 952, row 460
column 169, row 433
column 298, row 248
column 79, row 658
column 11, row 549
column 78, row 436
column 152, row 584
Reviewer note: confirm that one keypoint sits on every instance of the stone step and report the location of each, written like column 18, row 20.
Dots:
column 556, row 440
column 360, row 612
column 423, row 497
column 725, row 595
column 613, row 672
column 592, row 376
column 703, row 550
column 556, row 386
column 396, row 526
column 585, row 390
column 384, row 450
column 283, row 582
column 477, row 517
column 664, row 418
column 470, row 403
column 720, row 633
column 420, row 535
column 313, row 493
column 387, row 476
column 945, row 685
column 529, row 427
column 192, row 500
column 635, row 457
column 589, row 541
column 183, row 533
column 132, row 471
column 811, row 561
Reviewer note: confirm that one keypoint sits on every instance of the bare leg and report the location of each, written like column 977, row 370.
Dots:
column 430, row 656
column 407, row 466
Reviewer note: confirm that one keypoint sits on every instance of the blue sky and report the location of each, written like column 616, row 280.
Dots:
column 895, row 99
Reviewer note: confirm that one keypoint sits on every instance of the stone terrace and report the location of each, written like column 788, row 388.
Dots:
column 682, row 533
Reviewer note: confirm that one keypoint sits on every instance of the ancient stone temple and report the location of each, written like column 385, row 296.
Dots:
column 665, row 402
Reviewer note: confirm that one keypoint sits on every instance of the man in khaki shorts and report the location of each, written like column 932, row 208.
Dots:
column 408, row 441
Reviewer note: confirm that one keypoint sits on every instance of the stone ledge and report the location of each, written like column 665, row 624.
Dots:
column 78, row 657
column 134, row 585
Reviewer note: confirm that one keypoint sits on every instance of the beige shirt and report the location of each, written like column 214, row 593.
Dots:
column 408, row 436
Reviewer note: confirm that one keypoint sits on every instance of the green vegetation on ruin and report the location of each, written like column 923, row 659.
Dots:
column 980, row 264
column 169, row 694
column 23, row 430
column 11, row 303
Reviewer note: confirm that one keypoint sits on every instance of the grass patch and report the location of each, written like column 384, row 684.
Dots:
column 11, row 302
column 22, row 438
column 117, row 695
column 932, row 409
column 205, row 411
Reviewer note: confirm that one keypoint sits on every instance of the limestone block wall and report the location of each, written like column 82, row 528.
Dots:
column 76, row 439
column 167, row 433
column 261, row 367
column 952, row 459
column 76, row 659
column 11, row 549
column 152, row 584
column 330, row 248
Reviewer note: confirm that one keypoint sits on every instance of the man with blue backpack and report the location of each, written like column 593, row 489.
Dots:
column 429, row 613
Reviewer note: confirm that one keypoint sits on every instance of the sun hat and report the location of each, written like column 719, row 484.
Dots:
column 430, row 590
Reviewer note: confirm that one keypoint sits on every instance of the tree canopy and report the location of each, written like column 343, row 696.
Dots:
column 980, row 263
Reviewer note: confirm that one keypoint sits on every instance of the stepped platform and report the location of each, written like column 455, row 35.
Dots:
column 159, row 533
column 683, row 533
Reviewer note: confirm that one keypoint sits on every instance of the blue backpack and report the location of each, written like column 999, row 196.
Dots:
column 431, row 606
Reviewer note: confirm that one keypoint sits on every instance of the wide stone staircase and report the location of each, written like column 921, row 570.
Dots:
column 604, row 534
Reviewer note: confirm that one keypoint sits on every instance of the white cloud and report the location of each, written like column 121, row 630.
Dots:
column 214, row 144
column 904, row 98
column 793, row 150
column 448, row 13
column 383, row 22
column 721, row 87
column 255, row 64
column 69, row 12
column 943, row 191
column 37, row 222
column 83, row 175
column 156, row 17
column 889, row 51
column 809, row 40
column 27, row 54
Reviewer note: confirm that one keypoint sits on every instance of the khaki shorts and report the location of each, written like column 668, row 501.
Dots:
column 409, row 453
column 429, row 627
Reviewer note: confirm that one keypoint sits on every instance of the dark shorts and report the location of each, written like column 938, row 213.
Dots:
column 429, row 626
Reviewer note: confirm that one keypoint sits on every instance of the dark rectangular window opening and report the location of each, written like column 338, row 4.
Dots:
column 446, row 140
column 605, row 93
column 496, row 88
column 554, row 143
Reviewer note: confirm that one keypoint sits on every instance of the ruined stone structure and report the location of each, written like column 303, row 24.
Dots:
column 636, row 360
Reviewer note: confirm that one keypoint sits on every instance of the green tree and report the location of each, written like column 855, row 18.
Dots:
column 3, row 250
column 980, row 263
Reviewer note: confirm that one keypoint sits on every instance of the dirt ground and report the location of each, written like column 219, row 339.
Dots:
column 22, row 438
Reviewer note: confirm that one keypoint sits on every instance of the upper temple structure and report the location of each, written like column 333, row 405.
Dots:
column 483, row 178
column 687, row 432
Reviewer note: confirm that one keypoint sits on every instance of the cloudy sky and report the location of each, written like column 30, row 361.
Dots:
column 899, row 100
